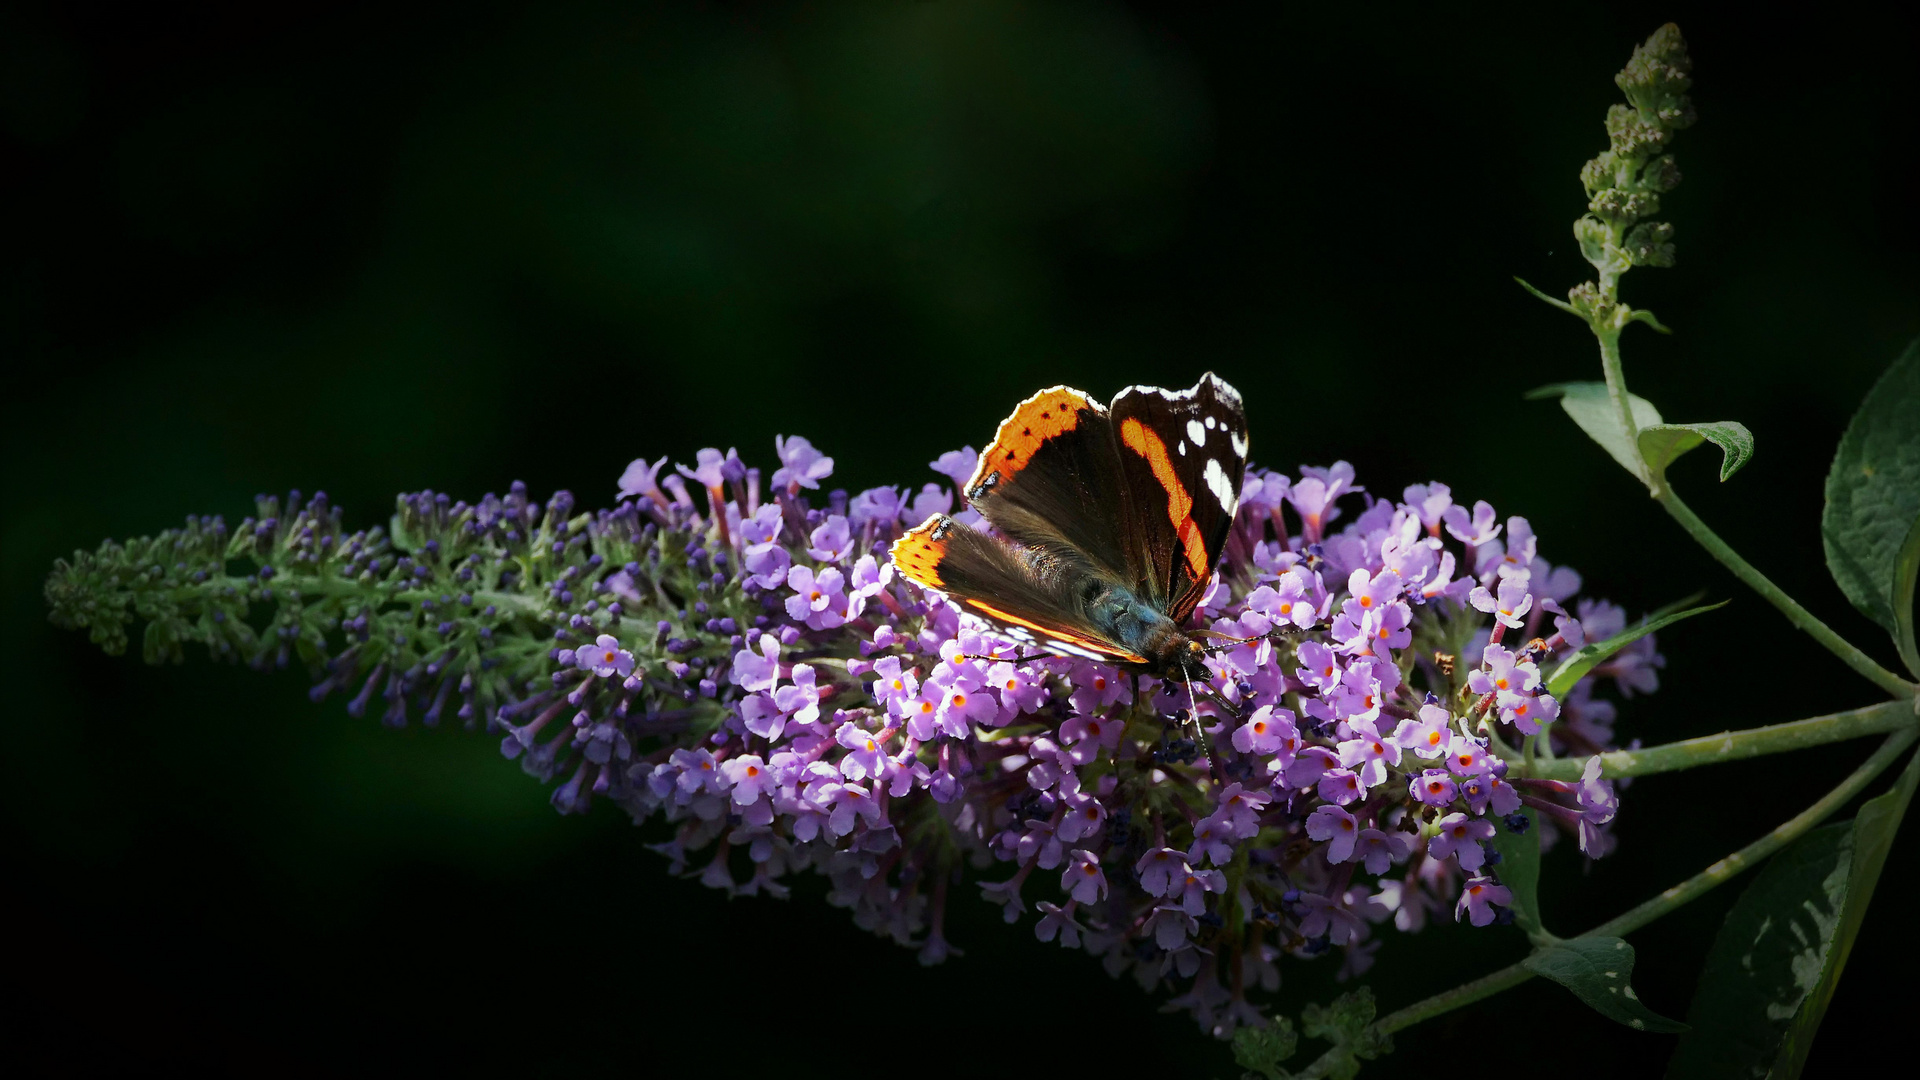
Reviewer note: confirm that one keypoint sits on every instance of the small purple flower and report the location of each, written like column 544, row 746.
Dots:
column 1326, row 916
column 1434, row 787
column 1096, row 686
column 761, row 716
column 881, row 505
column 1195, row 887
column 1428, row 735
column 1527, row 712
column 1509, row 606
column 800, row 701
column 1504, row 799
column 1333, row 824
column 1565, row 627
column 1478, row 899
column 817, row 598
column 957, row 465
column 866, row 757
column 757, row 670
column 767, row 564
column 1083, row 879
column 1310, row 765
column 1056, row 921
column 1375, row 591
column 1481, row 530
column 749, row 777
column 870, row 579
column 847, row 804
column 1340, row 786
column 1388, row 628
column 1597, row 804
column 712, row 468
column 1369, row 756
column 1635, row 669
column 1265, row 732
column 643, row 479
column 1021, row 690
column 896, row 687
column 1378, row 850
column 1321, row 667
column 963, row 707
column 1170, row 925
column 1161, row 871
column 1430, row 502
column 1466, row 757
column 1461, row 836
column 1213, row 838
column 801, row 466
column 933, row 499
column 1501, row 672
column 604, row 657
column 1083, row 818
column 831, row 542
column 1090, row 735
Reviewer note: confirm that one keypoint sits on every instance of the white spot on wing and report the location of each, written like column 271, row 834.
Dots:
column 1198, row 433
column 1221, row 487
column 1210, row 423
column 1183, row 448
column 1057, row 646
column 1239, row 440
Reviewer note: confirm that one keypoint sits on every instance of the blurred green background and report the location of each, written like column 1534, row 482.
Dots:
column 370, row 249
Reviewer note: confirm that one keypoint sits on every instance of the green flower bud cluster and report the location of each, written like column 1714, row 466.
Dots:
column 454, row 607
column 1625, row 182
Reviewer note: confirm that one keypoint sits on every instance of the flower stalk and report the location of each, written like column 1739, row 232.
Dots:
column 1800, row 617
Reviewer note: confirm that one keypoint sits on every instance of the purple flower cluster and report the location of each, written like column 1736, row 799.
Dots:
column 801, row 707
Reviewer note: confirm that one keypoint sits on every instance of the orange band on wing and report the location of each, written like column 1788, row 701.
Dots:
column 1058, row 634
column 917, row 555
column 1043, row 416
column 1142, row 440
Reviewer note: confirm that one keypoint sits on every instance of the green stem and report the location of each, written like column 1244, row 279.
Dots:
column 1617, row 390
column 1747, row 857
column 1736, row 745
column 1795, row 614
column 1672, row 899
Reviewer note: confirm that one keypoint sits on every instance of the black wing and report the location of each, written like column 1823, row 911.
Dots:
column 1183, row 456
column 1037, row 595
column 1052, row 483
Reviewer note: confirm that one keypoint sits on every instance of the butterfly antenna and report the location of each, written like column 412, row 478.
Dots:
column 1199, row 732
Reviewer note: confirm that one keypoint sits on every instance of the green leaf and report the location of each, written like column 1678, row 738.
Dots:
column 1587, row 657
column 1766, row 959
column 1662, row 444
column 1599, row 971
column 1592, row 408
column 1260, row 1050
column 1871, row 526
column 1872, row 837
column 1520, row 870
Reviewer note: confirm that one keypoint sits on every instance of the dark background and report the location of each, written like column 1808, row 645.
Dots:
column 373, row 249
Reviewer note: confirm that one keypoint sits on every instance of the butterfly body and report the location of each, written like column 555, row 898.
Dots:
column 1110, row 520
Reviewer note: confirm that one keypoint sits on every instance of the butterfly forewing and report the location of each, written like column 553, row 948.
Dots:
column 1051, row 482
column 1183, row 456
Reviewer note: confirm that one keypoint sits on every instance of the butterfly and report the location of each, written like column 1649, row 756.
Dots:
column 1109, row 520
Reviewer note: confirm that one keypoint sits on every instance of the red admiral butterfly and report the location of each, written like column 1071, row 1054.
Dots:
column 1111, row 520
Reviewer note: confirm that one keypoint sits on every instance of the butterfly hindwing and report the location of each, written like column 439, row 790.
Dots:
column 1051, row 482
column 1183, row 456
column 1033, row 594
